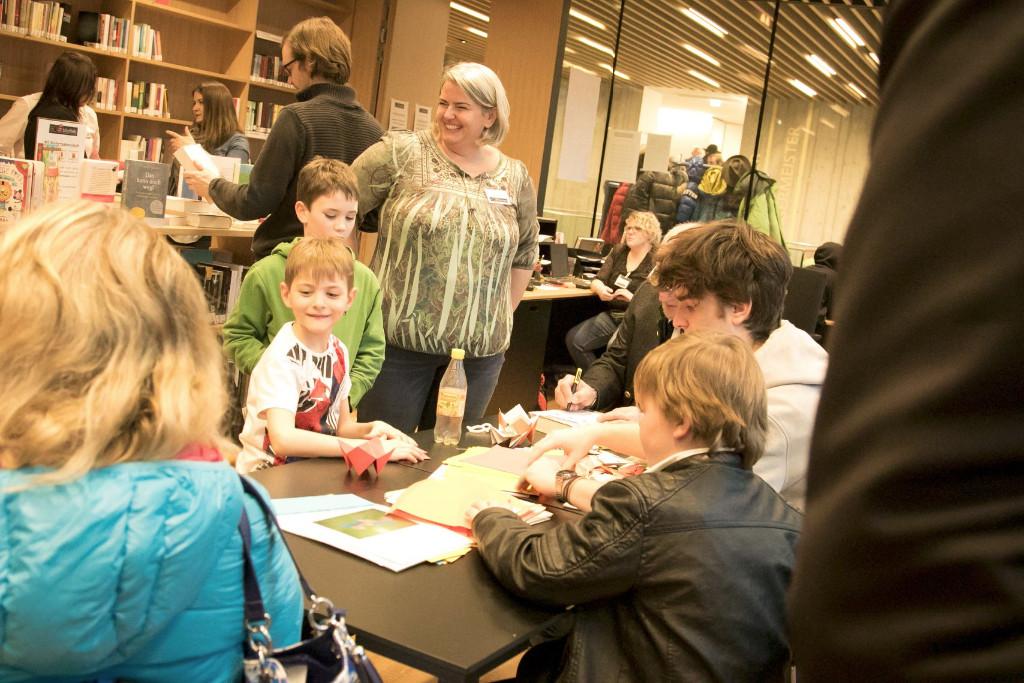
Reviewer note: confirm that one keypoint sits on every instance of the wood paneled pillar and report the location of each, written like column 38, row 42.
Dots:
column 524, row 47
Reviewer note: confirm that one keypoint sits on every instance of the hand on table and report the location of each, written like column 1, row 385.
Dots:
column 623, row 414
column 400, row 451
column 177, row 141
column 540, row 475
column 575, row 443
column 383, row 430
column 584, row 397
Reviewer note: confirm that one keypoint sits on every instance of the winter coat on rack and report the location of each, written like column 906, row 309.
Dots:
column 764, row 210
column 611, row 226
column 695, row 168
column 657, row 192
column 716, row 196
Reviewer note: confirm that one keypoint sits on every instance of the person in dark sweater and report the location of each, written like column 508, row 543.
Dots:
column 326, row 121
column 826, row 260
column 912, row 564
column 70, row 86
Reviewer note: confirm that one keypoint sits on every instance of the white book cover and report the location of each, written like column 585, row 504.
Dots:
column 61, row 145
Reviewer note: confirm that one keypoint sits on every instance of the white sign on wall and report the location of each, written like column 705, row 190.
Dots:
column 578, row 125
column 622, row 155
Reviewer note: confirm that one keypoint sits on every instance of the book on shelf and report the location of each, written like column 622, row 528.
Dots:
column 222, row 283
column 149, row 99
column 103, row 31
column 146, row 42
column 267, row 69
column 20, row 188
column 106, row 94
column 260, row 116
column 99, row 180
column 141, row 148
column 144, row 190
column 48, row 19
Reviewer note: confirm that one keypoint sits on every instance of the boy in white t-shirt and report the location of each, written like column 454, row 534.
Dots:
column 297, row 405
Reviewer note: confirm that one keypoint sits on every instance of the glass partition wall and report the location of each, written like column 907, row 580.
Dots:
column 646, row 82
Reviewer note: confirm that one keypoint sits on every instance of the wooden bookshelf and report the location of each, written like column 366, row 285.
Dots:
column 202, row 40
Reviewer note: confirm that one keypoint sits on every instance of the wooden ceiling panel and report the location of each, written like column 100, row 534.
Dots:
column 651, row 49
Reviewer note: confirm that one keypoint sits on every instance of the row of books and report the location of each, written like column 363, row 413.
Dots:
column 260, row 116
column 138, row 147
column 146, row 42
column 146, row 98
column 47, row 19
column 267, row 68
column 104, row 31
column 106, row 94
column 221, row 282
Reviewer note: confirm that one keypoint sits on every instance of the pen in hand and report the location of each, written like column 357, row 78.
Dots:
column 575, row 386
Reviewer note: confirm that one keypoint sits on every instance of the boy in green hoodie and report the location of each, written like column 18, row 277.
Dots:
column 327, row 199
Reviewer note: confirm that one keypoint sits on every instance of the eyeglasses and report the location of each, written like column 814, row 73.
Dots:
column 286, row 69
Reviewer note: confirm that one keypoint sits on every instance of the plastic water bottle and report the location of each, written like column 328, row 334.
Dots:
column 451, row 401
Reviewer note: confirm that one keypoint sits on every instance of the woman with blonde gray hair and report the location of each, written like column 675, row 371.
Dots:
column 118, row 512
column 457, row 244
column 623, row 271
column 326, row 121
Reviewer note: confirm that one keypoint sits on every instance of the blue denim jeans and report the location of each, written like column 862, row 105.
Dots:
column 589, row 336
column 405, row 392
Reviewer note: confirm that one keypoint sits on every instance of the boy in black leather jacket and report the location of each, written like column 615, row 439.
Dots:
column 680, row 572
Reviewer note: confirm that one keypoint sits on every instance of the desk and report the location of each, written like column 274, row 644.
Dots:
column 455, row 621
column 538, row 339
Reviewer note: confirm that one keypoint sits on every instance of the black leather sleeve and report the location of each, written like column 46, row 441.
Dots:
column 571, row 563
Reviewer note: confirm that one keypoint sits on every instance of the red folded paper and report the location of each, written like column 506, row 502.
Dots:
column 359, row 458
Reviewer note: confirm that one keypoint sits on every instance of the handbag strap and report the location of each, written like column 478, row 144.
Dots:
column 271, row 521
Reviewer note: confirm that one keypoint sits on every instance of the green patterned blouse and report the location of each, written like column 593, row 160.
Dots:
column 447, row 244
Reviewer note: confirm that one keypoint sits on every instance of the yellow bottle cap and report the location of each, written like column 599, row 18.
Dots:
column 458, row 354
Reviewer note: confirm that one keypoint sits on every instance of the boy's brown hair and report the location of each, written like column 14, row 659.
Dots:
column 320, row 258
column 735, row 263
column 712, row 380
column 323, row 176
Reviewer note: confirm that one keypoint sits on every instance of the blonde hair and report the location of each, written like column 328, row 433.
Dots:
column 322, row 41
column 484, row 87
column 130, row 368
column 648, row 223
column 713, row 381
column 320, row 258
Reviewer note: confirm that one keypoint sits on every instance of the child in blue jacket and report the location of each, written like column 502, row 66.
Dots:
column 120, row 556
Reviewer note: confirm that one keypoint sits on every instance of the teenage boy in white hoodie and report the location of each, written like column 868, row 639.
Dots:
column 727, row 277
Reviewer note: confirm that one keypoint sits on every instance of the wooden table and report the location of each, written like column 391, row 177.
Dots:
column 453, row 621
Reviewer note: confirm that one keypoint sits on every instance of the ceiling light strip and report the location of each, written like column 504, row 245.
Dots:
column 704, row 21
column 458, row 7
column 586, row 18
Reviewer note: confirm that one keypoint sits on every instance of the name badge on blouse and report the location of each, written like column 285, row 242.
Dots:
column 496, row 195
column 622, row 282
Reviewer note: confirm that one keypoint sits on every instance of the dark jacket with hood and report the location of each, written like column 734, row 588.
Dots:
column 826, row 260
column 657, row 192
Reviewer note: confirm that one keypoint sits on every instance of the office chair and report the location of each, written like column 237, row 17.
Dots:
column 803, row 299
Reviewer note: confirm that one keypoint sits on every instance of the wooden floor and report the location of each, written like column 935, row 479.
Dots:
column 396, row 672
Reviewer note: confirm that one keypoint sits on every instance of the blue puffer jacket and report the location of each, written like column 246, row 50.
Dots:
column 134, row 572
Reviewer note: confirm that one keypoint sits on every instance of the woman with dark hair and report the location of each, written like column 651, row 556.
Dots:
column 70, row 85
column 214, row 126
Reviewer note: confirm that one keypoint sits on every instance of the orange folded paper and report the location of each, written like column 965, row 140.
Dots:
column 359, row 458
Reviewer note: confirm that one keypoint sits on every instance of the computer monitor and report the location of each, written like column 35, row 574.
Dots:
column 592, row 244
column 548, row 226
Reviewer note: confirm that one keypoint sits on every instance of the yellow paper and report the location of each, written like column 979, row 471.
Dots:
column 445, row 501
